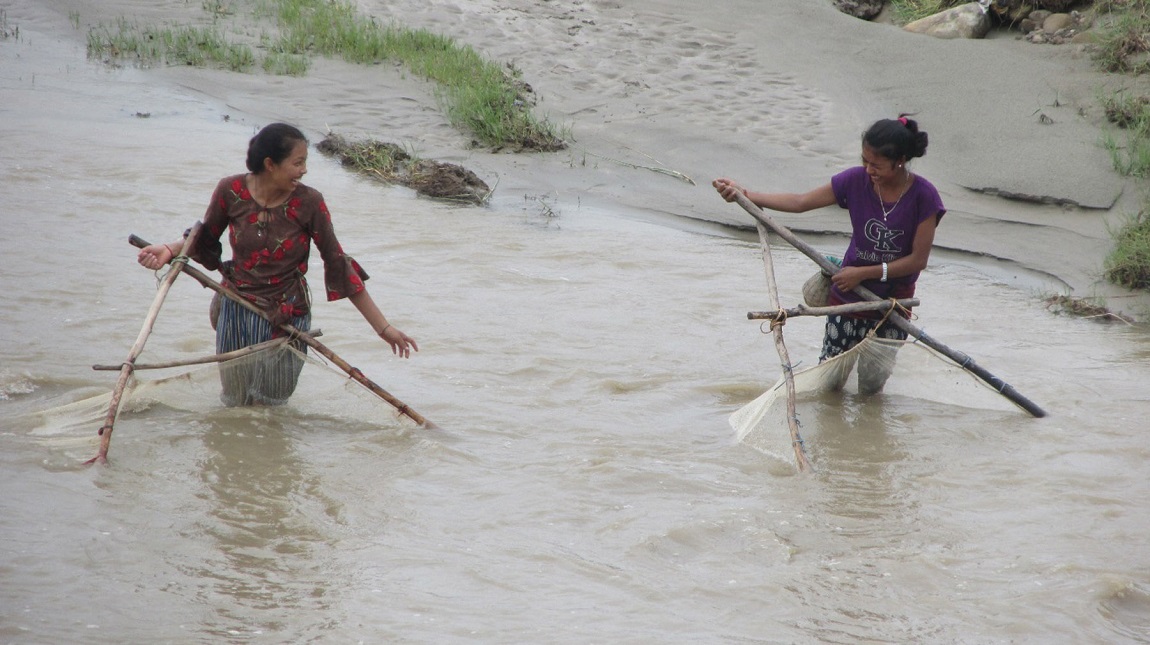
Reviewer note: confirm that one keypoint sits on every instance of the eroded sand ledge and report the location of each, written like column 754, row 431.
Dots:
column 775, row 100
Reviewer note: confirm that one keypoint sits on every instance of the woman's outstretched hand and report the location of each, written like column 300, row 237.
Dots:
column 401, row 343
column 728, row 189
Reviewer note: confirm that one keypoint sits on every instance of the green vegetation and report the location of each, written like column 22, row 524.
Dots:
column 489, row 100
column 1123, row 44
column 907, row 11
column 1124, row 47
column 1131, row 114
column 478, row 95
column 197, row 46
column 1128, row 264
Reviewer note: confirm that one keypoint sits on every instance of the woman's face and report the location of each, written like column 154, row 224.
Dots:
column 881, row 170
column 287, row 174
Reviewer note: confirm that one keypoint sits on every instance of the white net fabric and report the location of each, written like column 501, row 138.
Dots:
column 884, row 368
column 323, row 393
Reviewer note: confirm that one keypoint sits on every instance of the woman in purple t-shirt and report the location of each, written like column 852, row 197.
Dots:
column 893, row 218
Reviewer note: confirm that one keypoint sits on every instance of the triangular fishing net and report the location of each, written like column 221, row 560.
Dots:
column 324, row 395
column 890, row 370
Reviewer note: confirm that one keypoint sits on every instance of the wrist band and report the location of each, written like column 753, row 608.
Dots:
column 169, row 248
column 883, row 272
column 385, row 328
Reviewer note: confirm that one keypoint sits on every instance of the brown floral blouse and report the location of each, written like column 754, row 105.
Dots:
column 270, row 248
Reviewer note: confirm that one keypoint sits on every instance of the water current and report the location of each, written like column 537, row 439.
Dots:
column 585, row 486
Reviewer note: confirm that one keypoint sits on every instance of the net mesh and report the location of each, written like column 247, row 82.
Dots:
column 890, row 369
column 323, row 393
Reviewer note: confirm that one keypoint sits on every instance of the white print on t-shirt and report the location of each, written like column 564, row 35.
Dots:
column 882, row 237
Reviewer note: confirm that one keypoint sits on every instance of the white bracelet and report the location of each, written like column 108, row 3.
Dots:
column 883, row 272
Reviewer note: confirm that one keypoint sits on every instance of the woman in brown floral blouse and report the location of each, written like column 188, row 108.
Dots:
column 272, row 221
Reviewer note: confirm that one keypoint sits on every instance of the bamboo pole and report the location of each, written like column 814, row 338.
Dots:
column 801, row 460
column 806, row 310
column 962, row 360
column 212, row 358
column 105, row 432
column 319, row 347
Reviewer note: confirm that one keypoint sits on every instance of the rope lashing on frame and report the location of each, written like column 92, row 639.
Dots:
column 779, row 320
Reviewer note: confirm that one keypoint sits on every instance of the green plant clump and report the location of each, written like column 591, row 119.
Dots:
column 1128, row 264
column 1132, row 115
column 907, row 11
column 197, row 46
column 1123, row 47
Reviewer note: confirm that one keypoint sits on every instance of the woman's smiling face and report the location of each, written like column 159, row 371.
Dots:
column 287, row 174
column 882, row 170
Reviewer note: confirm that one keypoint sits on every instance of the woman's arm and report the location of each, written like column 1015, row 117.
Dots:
column 783, row 202
column 155, row 256
column 401, row 343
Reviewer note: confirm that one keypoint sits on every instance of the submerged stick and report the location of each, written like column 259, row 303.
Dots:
column 212, row 358
column 805, row 310
column 319, row 347
column 105, row 432
column 788, row 370
column 962, row 360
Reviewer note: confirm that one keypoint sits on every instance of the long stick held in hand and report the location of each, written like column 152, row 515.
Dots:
column 319, row 347
column 178, row 265
column 962, row 360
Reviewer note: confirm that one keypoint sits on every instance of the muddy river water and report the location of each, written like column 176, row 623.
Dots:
column 585, row 487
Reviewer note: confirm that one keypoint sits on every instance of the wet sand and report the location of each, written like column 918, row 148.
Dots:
column 775, row 99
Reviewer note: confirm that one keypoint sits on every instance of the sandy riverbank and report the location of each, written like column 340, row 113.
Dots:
column 775, row 99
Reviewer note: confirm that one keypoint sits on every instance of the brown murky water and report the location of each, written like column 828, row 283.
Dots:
column 586, row 486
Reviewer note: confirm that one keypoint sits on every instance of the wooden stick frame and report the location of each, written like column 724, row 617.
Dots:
column 806, row 310
column 178, row 264
column 962, row 360
column 211, row 358
column 801, row 461
column 295, row 333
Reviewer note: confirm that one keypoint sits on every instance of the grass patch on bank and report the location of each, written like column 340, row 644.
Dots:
column 1131, row 115
column 1128, row 264
column 195, row 46
column 480, row 96
column 1123, row 47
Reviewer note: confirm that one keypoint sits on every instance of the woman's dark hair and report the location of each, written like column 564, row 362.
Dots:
column 275, row 142
column 896, row 139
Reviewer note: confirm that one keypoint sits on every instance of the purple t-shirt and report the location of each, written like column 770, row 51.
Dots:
column 876, row 239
